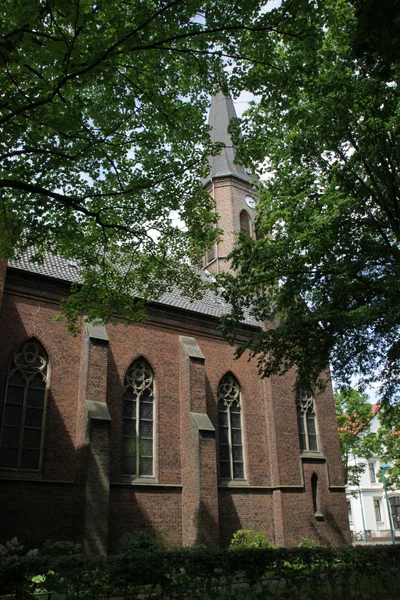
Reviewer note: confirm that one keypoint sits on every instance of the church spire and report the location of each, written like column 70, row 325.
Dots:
column 222, row 111
column 231, row 187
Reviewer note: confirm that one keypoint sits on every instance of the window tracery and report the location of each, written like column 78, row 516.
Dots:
column 230, row 428
column 138, row 406
column 307, row 421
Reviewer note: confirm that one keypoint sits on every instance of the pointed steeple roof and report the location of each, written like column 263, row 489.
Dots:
column 222, row 111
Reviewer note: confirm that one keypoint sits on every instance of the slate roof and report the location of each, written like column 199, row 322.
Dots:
column 65, row 270
column 222, row 111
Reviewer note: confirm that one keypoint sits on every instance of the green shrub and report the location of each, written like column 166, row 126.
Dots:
column 139, row 541
column 307, row 542
column 246, row 538
column 60, row 549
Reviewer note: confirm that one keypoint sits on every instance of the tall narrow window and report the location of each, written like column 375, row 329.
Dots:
column 349, row 512
column 377, row 507
column 230, row 429
column 372, row 474
column 137, row 455
column 24, row 408
column 210, row 255
column 306, row 421
column 244, row 222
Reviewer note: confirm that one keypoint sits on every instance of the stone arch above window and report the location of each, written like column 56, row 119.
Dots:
column 230, row 428
column 306, row 419
column 245, row 226
column 22, row 431
column 138, row 420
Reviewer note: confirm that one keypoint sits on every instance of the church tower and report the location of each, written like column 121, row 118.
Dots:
column 232, row 187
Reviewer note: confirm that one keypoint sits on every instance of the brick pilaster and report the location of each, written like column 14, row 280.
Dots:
column 3, row 271
column 199, row 469
column 97, row 483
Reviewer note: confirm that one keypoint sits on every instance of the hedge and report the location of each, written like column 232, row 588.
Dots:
column 302, row 573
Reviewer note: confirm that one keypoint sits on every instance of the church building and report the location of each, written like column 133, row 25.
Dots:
column 156, row 426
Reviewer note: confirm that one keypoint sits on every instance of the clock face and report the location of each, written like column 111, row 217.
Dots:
column 250, row 201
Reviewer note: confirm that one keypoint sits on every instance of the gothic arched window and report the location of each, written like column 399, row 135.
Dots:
column 307, row 421
column 24, row 408
column 244, row 222
column 230, row 429
column 138, row 405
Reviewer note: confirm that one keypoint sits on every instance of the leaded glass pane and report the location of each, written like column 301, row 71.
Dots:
column 15, row 395
column 235, row 420
column 237, row 453
column 238, row 470
column 33, row 417
column 9, row 458
column 146, row 429
column 146, row 396
column 11, row 436
column 17, row 379
column 236, row 437
column 225, row 469
column 130, row 409
column 146, row 466
column 129, row 428
column 313, row 443
column 129, row 394
column 224, row 453
column 311, row 424
column 32, row 438
column 129, row 446
column 30, row 459
column 146, row 410
column 223, row 435
column 129, row 465
column 146, row 447
column 12, row 415
column 223, row 418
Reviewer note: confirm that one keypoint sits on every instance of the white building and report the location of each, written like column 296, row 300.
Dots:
column 367, row 504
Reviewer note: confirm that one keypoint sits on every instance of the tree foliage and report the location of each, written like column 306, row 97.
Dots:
column 324, row 273
column 103, row 137
column 354, row 414
column 358, row 443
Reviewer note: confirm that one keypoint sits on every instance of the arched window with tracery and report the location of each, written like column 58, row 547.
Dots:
column 25, row 408
column 230, row 428
column 307, row 421
column 244, row 222
column 138, row 418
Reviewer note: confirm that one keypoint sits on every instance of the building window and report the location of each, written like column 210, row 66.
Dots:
column 395, row 510
column 349, row 511
column 210, row 255
column 230, row 429
column 306, row 421
column 372, row 474
column 24, row 408
column 138, row 407
column 377, row 507
column 244, row 222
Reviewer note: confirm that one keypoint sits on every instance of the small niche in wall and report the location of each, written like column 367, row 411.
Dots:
column 314, row 491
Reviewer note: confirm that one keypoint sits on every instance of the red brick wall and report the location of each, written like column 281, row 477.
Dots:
column 270, row 436
column 3, row 271
column 152, row 509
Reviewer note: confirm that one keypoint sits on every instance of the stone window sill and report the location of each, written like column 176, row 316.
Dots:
column 234, row 483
